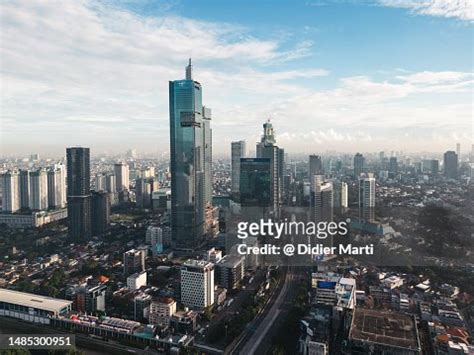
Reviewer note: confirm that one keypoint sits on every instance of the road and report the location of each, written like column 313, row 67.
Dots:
column 255, row 340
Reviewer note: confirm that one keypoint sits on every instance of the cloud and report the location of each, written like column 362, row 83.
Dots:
column 89, row 73
column 460, row 9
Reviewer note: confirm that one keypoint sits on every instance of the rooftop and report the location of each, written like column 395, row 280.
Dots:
column 382, row 327
column 32, row 300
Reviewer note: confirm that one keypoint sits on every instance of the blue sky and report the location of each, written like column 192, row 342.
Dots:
column 332, row 75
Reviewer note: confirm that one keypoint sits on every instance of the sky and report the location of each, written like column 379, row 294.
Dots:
column 340, row 75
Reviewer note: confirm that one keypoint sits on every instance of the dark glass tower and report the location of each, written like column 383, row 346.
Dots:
column 100, row 212
column 78, row 192
column 191, row 158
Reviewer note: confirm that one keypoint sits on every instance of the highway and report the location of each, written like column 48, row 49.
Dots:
column 257, row 333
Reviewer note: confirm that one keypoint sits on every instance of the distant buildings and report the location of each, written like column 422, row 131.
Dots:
column 78, row 192
column 197, row 284
column 191, row 158
column 450, row 165
column 238, row 151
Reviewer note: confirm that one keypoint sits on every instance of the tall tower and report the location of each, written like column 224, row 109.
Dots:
column 191, row 159
column 237, row 152
column 39, row 190
column 367, row 197
column 78, row 192
column 267, row 148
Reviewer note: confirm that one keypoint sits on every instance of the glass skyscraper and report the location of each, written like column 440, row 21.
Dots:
column 191, row 159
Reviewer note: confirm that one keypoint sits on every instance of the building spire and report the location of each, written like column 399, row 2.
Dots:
column 189, row 71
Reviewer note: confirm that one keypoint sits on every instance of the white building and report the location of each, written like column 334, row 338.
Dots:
column 122, row 176
column 57, row 187
column 154, row 236
column 137, row 280
column 161, row 311
column 38, row 190
column 197, row 284
column 11, row 192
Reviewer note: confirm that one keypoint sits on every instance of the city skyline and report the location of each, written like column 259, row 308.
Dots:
column 108, row 84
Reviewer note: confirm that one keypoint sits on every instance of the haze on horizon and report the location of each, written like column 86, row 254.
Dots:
column 343, row 76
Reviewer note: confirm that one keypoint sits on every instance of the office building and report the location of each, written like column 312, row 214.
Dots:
column 359, row 165
column 11, row 199
column 267, row 149
column 191, row 158
column 230, row 271
column 238, row 151
column 367, row 197
column 450, row 165
column 430, row 166
column 255, row 182
column 100, row 212
column 197, row 284
column 144, row 188
column 90, row 299
column 161, row 311
column 111, row 188
column 315, row 165
column 100, row 182
column 136, row 280
column 38, row 190
column 134, row 261
column 78, row 192
column 30, row 307
column 341, row 195
column 393, row 165
column 321, row 201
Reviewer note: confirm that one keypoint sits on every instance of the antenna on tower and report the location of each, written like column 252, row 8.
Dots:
column 189, row 71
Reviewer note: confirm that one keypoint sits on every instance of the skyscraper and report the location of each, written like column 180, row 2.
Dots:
column 255, row 182
column 237, row 152
column 321, row 202
column 393, row 165
column 191, row 158
column 38, row 190
column 268, row 149
column 458, row 150
column 11, row 191
column 315, row 165
column 78, row 192
column 100, row 212
column 367, row 197
column 450, row 165
column 359, row 164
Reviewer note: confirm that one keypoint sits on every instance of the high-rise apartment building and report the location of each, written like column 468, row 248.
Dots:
column 11, row 192
column 197, row 284
column 57, row 186
column 78, row 192
column 367, row 197
column 122, row 172
column 321, row 202
column 238, row 151
column 38, row 190
column 134, row 261
column 24, row 189
column 191, row 158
